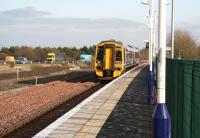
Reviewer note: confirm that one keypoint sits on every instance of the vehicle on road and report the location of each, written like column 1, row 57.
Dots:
column 85, row 58
column 51, row 58
column 10, row 59
column 21, row 60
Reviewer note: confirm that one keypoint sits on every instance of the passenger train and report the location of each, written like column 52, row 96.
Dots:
column 112, row 58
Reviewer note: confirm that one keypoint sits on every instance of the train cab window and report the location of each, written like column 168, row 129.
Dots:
column 100, row 53
column 118, row 55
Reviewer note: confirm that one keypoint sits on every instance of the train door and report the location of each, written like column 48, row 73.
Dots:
column 108, row 64
column 108, row 60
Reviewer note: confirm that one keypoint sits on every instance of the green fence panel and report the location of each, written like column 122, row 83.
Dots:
column 187, row 98
column 179, row 116
column 169, row 83
column 171, row 92
column 183, row 97
column 174, row 98
column 196, row 101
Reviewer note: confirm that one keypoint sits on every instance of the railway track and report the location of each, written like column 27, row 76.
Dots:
column 34, row 72
column 82, row 76
column 33, row 124
column 70, row 76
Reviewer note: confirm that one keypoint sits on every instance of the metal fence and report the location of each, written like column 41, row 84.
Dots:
column 183, row 97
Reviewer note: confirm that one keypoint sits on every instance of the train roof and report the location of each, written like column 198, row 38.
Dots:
column 112, row 40
column 130, row 48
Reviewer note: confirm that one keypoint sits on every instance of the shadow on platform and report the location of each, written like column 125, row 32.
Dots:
column 132, row 116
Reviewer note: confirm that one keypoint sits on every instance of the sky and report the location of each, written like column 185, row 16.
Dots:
column 85, row 22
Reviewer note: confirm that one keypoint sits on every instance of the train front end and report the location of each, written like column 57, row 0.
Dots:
column 109, row 60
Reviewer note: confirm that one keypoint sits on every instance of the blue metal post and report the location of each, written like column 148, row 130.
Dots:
column 161, row 122
column 150, row 87
column 161, row 117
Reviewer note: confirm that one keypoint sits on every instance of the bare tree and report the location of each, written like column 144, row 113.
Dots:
column 185, row 46
column 144, row 54
column 2, row 56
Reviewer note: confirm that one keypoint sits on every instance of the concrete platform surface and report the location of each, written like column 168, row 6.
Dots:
column 119, row 109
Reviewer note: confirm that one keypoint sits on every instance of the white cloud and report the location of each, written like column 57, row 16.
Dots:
column 28, row 26
column 27, row 12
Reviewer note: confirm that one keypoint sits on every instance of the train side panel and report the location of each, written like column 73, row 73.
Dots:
column 129, row 58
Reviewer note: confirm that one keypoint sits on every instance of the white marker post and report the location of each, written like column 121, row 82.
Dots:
column 17, row 74
column 161, row 117
column 17, row 71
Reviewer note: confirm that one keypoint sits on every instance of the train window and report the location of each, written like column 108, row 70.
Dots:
column 118, row 55
column 100, row 53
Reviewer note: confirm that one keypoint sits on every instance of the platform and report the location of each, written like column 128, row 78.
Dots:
column 119, row 109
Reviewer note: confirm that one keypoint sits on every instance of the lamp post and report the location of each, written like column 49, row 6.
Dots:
column 150, row 74
column 161, row 117
column 179, row 53
column 155, row 34
column 172, row 30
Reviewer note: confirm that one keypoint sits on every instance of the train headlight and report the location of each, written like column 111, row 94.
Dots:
column 98, row 62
